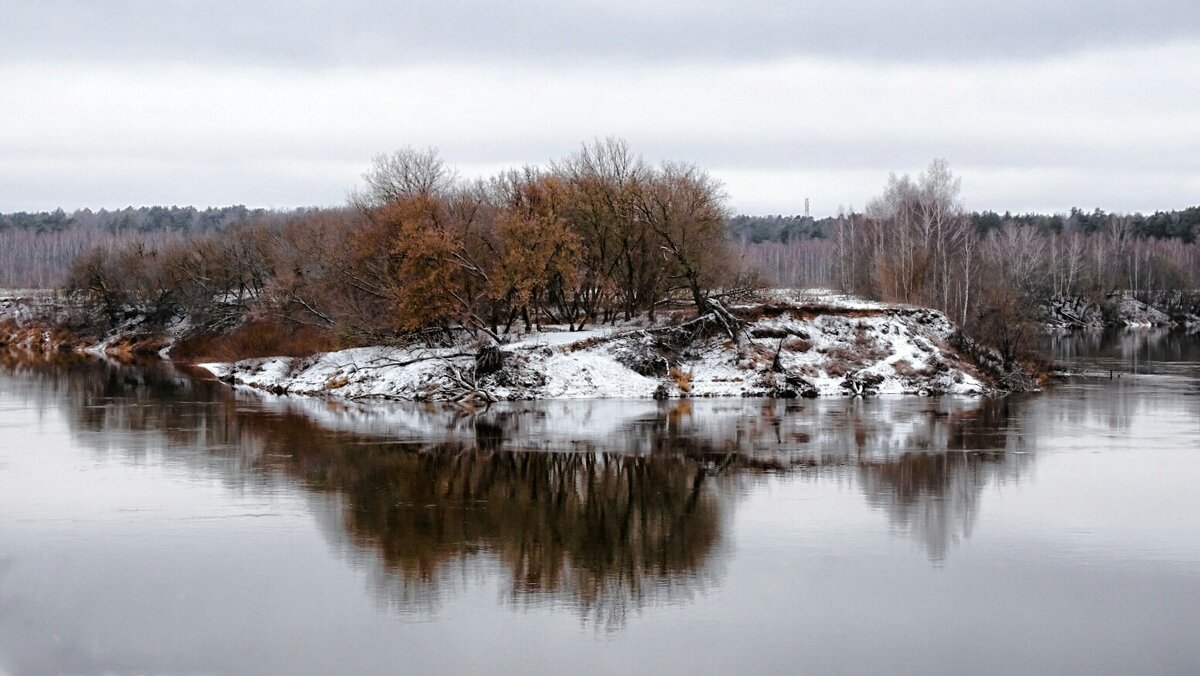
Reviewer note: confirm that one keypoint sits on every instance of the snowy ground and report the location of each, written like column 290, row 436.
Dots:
column 28, row 321
column 797, row 344
column 23, row 305
column 1133, row 313
column 1068, row 313
column 831, row 298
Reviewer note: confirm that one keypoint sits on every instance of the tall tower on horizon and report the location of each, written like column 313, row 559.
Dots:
column 806, row 213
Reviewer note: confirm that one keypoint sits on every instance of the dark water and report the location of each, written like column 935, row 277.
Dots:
column 156, row 523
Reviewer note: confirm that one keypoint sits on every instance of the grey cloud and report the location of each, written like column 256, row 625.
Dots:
column 356, row 32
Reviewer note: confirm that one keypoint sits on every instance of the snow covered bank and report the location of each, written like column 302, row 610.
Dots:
column 44, row 321
column 1119, row 310
column 788, row 347
column 29, row 322
column 23, row 305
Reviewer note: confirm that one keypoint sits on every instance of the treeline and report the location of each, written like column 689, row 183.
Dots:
column 37, row 248
column 915, row 244
column 135, row 219
column 1182, row 224
column 776, row 228
column 1161, row 272
column 799, row 251
column 421, row 254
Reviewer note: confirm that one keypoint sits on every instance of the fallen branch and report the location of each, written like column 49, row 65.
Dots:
column 387, row 362
column 468, row 389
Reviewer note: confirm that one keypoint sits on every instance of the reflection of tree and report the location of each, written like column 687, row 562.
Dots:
column 935, row 496
column 1135, row 351
column 602, row 517
column 601, row 530
column 932, row 496
column 1121, row 367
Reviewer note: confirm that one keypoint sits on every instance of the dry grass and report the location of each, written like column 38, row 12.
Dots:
column 38, row 337
column 797, row 344
column 768, row 332
column 904, row 367
column 256, row 338
column 807, row 312
column 10, row 332
column 136, row 346
column 806, row 370
column 863, row 352
column 840, row 366
column 683, row 379
column 757, row 355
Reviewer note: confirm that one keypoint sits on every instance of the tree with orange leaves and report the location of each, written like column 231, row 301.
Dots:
column 539, row 256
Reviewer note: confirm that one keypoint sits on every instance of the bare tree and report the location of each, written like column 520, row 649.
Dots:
column 404, row 174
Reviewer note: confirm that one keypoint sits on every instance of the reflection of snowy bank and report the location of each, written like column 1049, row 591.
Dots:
column 934, row 497
column 791, row 349
column 924, row 462
column 809, row 431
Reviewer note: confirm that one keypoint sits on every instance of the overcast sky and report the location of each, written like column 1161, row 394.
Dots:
column 1037, row 105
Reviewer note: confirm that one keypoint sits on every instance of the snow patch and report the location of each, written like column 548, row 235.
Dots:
column 854, row 348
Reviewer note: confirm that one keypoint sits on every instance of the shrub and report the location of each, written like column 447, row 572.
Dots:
column 840, row 366
column 683, row 379
column 256, row 338
column 905, row 368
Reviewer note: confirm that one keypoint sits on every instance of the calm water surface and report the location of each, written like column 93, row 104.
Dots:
column 158, row 523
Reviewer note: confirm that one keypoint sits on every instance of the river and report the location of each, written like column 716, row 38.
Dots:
column 155, row 522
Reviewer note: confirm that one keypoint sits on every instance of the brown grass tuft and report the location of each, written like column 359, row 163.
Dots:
column 682, row 378
column 797, row 344
column 840, row 367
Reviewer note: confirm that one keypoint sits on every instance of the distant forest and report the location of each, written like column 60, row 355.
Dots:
column 37, row 248
column 800, row 251
column 1183, row 224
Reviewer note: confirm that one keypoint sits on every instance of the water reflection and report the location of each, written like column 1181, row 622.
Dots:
column 1127, row 351
column 934, row 496
column 605, row 507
